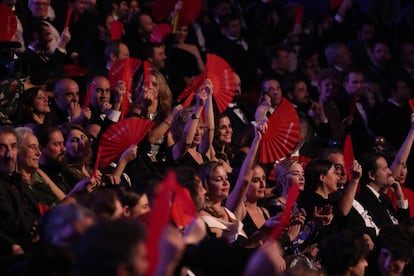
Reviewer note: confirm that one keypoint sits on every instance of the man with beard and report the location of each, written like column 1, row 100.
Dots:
column 15, row 221
column 53, row 158
column 65, row 106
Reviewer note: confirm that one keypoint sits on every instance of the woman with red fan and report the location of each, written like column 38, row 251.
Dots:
column 154, row 103
column 193, row 146
column 79, row 154
column 288, row 172
column 250, row 188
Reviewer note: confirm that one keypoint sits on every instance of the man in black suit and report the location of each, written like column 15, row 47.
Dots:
column 376, row 180
column 15, row 221
column 355, row 110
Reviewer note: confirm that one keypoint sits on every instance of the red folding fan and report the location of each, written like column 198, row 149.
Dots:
column 8, row 23
column 189, row 12
column 334, row 4
column 160, row 32
column 284, row 221
column 116, row 72
column 183, row 209
column 224, row 83
column 282, row 134
column 161, row 9
column 117, row 29
column 411, row 101
column 299, row 14
column 159, row 218
column 68, row 16
column 118, row 137
column 348, row 156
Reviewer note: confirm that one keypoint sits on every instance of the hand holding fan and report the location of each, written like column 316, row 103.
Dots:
column 282, row 134
column 119, row 136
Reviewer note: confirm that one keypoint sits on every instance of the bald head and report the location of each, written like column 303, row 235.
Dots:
column 66, row 91
column 101, row 92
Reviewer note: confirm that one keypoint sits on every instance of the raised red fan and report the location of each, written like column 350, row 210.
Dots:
column 8, row 23
column 118, row 137
column 282, row 135
column 224, row 83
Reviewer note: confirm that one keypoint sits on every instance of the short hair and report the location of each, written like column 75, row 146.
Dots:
column 274, row 51
column 369, row 164
column 331, row 52
column 43, row 132
column 352, row 70
column 7, row 130
column 106, row 245
column 112, row 47
column 342, row 250
column 149, row 50
column 331, row 150
column 102, row 202
column 398, row 240
column 328, row 73
column 262, row 90
column 226, row 19
column 314, row 170
column 128, row 197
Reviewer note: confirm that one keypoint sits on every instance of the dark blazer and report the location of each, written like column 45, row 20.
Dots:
column 15, row 220
column 378, row 209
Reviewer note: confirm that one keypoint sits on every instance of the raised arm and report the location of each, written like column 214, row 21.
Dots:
column 206, row 145
column 181, row 146
column 161, row 129
column 235, row 202
column 345, row 204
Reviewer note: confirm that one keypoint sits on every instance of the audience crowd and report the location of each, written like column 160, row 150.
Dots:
column 345, row 67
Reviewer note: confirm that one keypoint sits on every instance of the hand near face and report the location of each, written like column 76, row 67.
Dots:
column 120, row 90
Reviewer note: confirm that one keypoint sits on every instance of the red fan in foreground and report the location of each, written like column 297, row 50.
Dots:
column 118, row 137
column 224, row 83
column 116, row 72
column 282, row 135
column 8, row 23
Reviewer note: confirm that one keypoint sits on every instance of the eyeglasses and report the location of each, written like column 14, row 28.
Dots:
column 34, row 148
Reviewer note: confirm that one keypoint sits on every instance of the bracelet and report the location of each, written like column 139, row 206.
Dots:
column 167, row 123
column 194, row 117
